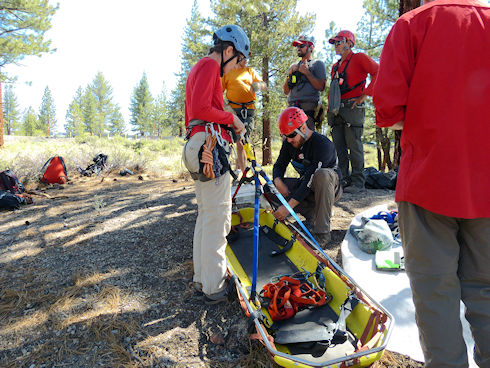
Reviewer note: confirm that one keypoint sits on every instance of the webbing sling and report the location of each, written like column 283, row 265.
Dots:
column 243, row 104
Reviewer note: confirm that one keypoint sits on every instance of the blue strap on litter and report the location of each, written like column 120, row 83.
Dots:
column 256, row 236
column 389, row 217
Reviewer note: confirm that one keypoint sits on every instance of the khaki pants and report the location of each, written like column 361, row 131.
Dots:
column 212, row 224
column 447, row 260
column 317, row 206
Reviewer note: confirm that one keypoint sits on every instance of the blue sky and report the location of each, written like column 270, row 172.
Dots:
column 106, row 36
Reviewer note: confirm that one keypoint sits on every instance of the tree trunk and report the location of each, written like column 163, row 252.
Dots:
column 405, row 6
column 1, row 114
column 266, row 116
column 383, row 146
column 397, row 154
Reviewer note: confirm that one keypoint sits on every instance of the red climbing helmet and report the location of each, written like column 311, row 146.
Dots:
column 343, row 35
column 291, row 119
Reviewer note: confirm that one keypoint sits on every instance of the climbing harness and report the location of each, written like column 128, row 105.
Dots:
column 213, row 155
column 243, row 110
column 289, row 295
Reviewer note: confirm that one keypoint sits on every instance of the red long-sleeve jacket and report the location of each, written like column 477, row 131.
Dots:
column 204, row 97
column 435, row 76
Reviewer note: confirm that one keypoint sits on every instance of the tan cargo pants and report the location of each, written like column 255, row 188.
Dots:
column 447, row 260
column 212, row 224
column 317, row 206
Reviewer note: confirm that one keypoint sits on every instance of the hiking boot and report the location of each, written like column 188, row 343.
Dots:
column 322, row 238
column 210, row 301
column 198, row 288
column 354, row 189
column 346, row 182
column 220, row 297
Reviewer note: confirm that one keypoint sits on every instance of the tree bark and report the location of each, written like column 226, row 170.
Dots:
column 383, row 146
column 407, row 5
column 266, row 116
column 1, row 114
column 397, row 154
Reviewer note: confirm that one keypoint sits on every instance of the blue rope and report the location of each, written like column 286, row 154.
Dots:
column 256, row 235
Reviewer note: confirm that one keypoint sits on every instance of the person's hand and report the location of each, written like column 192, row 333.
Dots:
column 228, row 108
column 293, row 68
column 397, row 126
column 303, row 68
column 359, row 100
column 238, row 126
column 256, row 86
column 281, row 213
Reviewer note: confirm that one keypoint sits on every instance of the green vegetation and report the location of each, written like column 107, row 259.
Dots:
column 24, row 24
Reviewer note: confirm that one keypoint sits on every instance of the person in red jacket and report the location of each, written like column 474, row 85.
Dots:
column 347, row 122
column 210, row 130
column 434, row 82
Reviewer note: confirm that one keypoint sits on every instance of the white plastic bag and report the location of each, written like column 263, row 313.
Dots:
column 372, row 235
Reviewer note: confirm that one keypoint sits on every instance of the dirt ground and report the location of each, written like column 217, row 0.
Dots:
column 96, row 273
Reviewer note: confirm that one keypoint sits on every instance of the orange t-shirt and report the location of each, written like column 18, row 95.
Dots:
column 238, row 83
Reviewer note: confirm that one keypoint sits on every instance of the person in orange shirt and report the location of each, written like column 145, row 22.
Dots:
column 240, row 85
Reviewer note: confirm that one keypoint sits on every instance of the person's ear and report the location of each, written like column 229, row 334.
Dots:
column 229, row 51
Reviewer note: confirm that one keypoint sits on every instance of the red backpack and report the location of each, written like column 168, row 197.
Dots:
column 55, row 172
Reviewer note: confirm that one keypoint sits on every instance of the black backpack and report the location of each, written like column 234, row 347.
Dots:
column 100, row 162
column 10, row 183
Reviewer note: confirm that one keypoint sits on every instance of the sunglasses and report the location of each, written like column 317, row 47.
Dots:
column 239, row 57
column 301, row 46
column 294, row 133
column 336, row 43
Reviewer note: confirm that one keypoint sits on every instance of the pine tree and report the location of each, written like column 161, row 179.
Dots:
column 272, row 26
column 89, row 111
column 30, row 125
column 74, row 115
column 24, row 24
column 47, row 113
column 23, row 27
column 375, row 25
column 161, row 113
column 142, row 108
column 102, row 92
column 195, row 45
column 10, row 110
column 116, row 121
